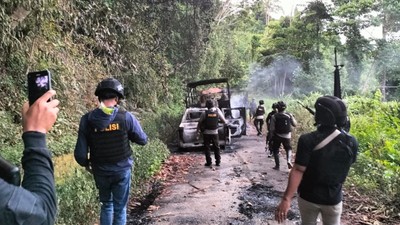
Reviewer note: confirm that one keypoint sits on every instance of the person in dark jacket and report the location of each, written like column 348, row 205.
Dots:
column 281, row 130
column 259, row 117
column 208, row 125
column 34, row 202
column 323, row 160
column 103, row 148
column 268, row 142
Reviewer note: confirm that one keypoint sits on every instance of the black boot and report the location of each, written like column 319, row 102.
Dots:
column 276, row 157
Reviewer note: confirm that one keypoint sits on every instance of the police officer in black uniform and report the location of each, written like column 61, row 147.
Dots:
column 281, row 129
column 208, row 125
column 268, row 142
column 259, row 117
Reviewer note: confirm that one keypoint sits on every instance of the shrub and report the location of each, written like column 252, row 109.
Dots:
column 11, row 144
column 62, row 145
column 375, row 124
column 163, row 124
column 148, row 160
column 77, row 198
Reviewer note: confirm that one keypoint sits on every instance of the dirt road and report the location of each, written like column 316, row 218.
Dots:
column 243, row 190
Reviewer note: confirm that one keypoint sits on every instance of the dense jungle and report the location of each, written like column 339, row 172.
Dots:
column 155, row 47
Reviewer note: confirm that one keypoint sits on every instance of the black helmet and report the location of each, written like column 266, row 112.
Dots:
column 261, row 102
column 274, row 105
column 281, row 106
column 330, row 111
column 210, row 103
column 109, row 85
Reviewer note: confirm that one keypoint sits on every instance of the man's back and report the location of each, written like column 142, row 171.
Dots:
column 327, row 167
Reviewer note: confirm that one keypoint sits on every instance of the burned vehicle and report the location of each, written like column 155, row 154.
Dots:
column 197, row 93
column 188, row 136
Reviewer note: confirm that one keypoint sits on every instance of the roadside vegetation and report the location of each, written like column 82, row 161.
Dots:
column 156, row 47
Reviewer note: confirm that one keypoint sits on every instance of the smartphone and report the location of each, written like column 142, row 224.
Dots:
column 9, row 172
column 39, row 82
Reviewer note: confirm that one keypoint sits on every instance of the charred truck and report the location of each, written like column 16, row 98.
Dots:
column 197, row 93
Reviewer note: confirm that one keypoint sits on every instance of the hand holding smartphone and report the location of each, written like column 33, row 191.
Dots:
column 39, row 82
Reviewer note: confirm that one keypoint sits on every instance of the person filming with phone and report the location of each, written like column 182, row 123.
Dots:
column 34, row 202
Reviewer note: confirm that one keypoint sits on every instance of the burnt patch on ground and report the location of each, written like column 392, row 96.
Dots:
column 261, row 201
column 138, row 210
column 173, row 171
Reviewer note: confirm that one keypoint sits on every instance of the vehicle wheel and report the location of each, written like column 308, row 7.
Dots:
column 179, row 145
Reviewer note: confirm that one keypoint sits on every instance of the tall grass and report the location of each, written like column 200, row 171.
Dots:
column 375, row 125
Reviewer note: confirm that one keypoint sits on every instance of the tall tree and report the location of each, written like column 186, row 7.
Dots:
column 232, row 44
column 388, row 17
column 300, row 38
column 352, row 18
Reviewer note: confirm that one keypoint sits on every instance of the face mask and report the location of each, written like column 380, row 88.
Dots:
column 106, row 110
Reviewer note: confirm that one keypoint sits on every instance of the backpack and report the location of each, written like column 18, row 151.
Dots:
column 283, row 123
column 333, row 161
column 260, row 110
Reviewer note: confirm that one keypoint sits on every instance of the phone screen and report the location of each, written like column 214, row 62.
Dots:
column 38, row 83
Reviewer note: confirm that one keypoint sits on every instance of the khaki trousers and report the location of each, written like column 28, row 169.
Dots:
column 309, row 213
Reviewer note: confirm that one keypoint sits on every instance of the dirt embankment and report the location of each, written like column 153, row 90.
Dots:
column 243, row 190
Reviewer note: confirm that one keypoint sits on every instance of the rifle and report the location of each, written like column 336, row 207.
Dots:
column 306, row 107
column 337, row 92
column 336, row 82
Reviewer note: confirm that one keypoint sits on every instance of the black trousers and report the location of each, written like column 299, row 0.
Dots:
column 276, row 144
column 212, row 141
column 258, row 123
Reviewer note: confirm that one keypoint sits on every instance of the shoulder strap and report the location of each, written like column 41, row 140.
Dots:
column 328, row 139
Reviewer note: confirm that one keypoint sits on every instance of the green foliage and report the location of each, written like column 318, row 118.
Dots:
column 11, row 143
column 387, row 68
column 155, row 47
column 62, row 145
column 163, row 124
column 305, row 120
column 292, row 53
column 148, row 160
column 319, row 79
column 232, row 45
column 13, row 153
column 376, row 125
column 77, row 199
column 152, row 47
column 76, row 185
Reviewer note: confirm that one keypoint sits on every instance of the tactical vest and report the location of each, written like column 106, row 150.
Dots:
column 283, row 124
column 331, row 164
column 211, row 120
column 110, row 145
column 260, row 110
